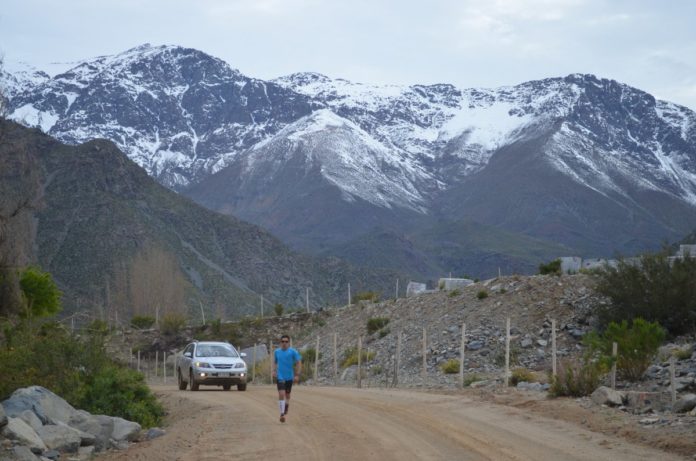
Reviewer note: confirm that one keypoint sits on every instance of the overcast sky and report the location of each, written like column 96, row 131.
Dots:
column 470, row 43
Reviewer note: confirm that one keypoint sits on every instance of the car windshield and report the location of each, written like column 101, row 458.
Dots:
column 215, row 350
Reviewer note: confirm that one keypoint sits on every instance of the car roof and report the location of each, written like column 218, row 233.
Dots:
column 215, row 343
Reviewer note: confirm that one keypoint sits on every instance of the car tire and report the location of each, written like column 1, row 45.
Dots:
column 180, row 380
column 227, row 387
column 241, row 386
column 194, row 384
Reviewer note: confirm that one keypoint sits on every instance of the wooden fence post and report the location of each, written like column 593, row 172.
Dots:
column 316, row 362
column 672, row 383
column 138, row 359
column 253, row 365
column 614, row 353
column 425, row 356
column 164, row 367
column 335, row 358
column 359, row 362
column 553, row 349
column 507, row 352
column 461, row 357
column 397, row 359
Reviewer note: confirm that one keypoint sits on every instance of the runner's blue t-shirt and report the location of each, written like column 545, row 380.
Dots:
column 285, row 363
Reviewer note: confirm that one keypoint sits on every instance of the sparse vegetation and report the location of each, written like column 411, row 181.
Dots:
column 450, row 367
column 683, row 353
column 482, row 294
column 576, row 378
column 376, row 323
column 350, row 357
column 519, row 375
column 142, row 322
column 371, row 296
column 455, row 292
column 278, row 309
column 471, row 378
column 172, row 323
column 550, row 268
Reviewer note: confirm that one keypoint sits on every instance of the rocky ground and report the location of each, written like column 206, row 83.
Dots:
column 643, row 413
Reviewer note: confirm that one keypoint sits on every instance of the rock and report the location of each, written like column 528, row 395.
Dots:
column 683, row 384
column 16, row 429
column 606, row 396
column 526, row 343
column 647, row 421
column 525, row 386
column 61, row 438
column 120, row 445
column 686, row 403
column 474, row 345
column 51, row 454
column 31, row 419
column 477, row 384
column 48, row 406
column 125, row 430
column 22, row 453
column 641, row 402
column 100, row 426
column 153, row 433
column 577, row 334
column 542, row 342
column 3, row 417
column 85, row 452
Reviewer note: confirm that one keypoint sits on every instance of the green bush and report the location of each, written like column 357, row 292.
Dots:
column 350, row 357
column 450, row 367
column 172, row 323
column 376, row 323
column 551, row 268
column 453, row 293
column 471, row 378
column 216, row 327
column 483, row 294
column 41, row 295
column 383, row 332
column 683, row 353
column 637, row 345
column 122, row 392
column 371, row 296
column 576, row 378
column 278, row 309
column 655, row 290
column 142, row 322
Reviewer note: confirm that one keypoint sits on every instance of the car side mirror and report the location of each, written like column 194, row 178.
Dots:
column 188, row 354
column 242, row 354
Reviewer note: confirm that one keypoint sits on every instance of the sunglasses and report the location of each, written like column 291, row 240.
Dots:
column 285, row 341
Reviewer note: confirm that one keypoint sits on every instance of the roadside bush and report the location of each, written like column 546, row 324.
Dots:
column 216, row 327
column 350, row 357
column 450, row 367
column 655, row 290
column 383, row 332
column 142, row 322
column 376, row 323
column 637, row 345
column 483, row 294
column 471, row 378
column 122, row 392
column 371, row 296
column 172, row 323
column 683, row 353
column 278, row 309
column 455, row 292
column 576, row 378
column 551, row 268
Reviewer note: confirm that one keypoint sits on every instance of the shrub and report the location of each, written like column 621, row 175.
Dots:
column 455, row 292
column 371, row 296
column 683, row 353
column 551, row 268
column 499, row 355
column 576, row 379
column 278, row 309
column 376, row 323
column 482, row 294
column 522, row 374
column 471, row 378
column 172, row 323
column 637, row 345
column 655, row 290
column 216, row 326
column 383, row 332
column 41, row 295
column 450, row 367
column 142, row 322
column 122, row 392
column 350, row 357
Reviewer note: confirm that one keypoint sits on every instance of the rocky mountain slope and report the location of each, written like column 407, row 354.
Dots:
column 101, row 213
column 579, row 161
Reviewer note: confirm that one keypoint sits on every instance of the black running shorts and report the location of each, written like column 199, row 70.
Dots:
column 285, row 386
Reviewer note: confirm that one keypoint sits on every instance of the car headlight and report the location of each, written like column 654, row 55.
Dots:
column 203, row 365
column 239, row 365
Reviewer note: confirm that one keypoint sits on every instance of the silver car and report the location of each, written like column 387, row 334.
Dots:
column 211, row 363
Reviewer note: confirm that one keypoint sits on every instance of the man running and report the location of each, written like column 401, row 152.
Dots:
column 288, row 365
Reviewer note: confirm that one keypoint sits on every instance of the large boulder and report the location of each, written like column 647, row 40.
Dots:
column 125, row 430
column 16, row 429
column 99, row 426
column 48, row 406
column 20, row 453
column 31, row 419
column 686, row 403
column 59, row 437
column 604, row 395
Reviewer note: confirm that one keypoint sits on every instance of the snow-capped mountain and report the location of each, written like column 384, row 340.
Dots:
column 579, row 160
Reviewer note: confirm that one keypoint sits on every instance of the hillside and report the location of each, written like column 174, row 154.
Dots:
column 109, row 234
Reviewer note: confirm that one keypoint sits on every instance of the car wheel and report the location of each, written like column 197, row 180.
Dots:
column 241, row 386
column 226, row 386
column 180, row 380
column 194, row 384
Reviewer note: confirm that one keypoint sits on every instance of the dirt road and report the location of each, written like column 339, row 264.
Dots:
column 350, row 424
